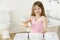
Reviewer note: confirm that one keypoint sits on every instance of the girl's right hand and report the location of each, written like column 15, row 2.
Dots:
column 23, row 24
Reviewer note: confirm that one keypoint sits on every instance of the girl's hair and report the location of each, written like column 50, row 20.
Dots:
column 38, row 3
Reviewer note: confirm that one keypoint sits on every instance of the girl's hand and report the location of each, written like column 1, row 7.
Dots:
column 23, row 24
column 44, row 31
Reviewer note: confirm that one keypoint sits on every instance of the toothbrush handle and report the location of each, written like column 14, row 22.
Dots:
column 43, row 35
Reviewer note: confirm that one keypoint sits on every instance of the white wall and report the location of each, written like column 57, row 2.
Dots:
column 21, row 9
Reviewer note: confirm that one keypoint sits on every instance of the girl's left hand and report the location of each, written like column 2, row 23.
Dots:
column 44, row 31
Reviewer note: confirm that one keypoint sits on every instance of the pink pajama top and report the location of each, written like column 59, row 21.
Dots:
column 37, row 26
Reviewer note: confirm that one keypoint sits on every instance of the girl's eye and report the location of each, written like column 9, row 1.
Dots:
column 35, row 9
column 38, row 8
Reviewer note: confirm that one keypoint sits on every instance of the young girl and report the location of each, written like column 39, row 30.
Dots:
column 38, row 19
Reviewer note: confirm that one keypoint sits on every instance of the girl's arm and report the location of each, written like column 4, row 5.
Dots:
column 44, row 24
column 25, row 23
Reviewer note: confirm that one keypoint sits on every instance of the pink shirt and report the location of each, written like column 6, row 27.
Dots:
column 37, row 26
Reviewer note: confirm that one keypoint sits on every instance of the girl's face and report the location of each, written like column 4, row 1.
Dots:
column 37, row 10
